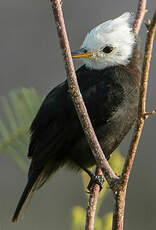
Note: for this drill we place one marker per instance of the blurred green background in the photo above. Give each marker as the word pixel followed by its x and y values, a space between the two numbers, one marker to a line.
pixel 30 57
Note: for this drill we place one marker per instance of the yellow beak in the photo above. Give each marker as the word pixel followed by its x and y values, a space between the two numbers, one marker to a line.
pixel 81 54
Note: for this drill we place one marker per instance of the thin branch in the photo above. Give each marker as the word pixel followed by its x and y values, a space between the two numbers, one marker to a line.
pixel 121 193
pixel 92 203
pixel 142 101
pixel 77 97
pixel 139 16
pixel 147 114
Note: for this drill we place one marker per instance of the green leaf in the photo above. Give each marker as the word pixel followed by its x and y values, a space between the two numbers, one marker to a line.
pixel 19 108
pixel 3 130
pixel 98 223
pixel 107 222
pixel 78 218
pixel 116 161
pixel 9 113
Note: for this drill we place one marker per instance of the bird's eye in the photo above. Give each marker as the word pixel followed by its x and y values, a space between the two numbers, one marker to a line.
pixel 107 49
pixel 84 50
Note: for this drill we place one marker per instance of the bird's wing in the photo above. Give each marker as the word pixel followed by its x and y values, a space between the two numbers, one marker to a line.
pixel 49 128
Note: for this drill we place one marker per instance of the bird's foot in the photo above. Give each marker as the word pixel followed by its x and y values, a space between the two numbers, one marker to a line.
pixel 96 180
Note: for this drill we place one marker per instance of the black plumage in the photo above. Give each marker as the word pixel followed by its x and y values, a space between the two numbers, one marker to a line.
pixel 57 138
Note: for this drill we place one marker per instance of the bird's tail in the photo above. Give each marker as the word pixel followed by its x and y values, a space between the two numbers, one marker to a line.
pixel 26 195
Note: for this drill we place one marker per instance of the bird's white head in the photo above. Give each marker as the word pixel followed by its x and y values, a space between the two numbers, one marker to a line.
pixel 110 43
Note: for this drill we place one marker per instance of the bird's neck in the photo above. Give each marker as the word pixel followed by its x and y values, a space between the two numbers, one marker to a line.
pixel 134 65
pixel 136 57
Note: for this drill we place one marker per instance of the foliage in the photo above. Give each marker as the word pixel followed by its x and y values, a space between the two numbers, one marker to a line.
pixel 19 108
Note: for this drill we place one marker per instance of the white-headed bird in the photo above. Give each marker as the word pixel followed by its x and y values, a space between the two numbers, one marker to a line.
pixel 109 83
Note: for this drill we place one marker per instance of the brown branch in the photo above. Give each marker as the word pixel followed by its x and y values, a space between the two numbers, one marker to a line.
pixel 147 114
pixel 82 114
pixel 139 16
pixel 142 101
pixel 77 97
pixel 121 193
pixel 92 203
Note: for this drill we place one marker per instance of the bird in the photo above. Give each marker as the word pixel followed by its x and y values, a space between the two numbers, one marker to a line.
pixel 109 81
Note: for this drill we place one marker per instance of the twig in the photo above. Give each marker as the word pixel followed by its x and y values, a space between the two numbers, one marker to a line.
pixel 142 104
pixel 77 98
pixel 147 114
pixel 121 193
pixel 92 203
pixel 139 16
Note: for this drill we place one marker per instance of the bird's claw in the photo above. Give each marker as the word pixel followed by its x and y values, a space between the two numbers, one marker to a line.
pixel 96 180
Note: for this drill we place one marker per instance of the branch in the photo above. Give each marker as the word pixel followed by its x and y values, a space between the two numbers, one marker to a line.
pixel 139 16
pixel 121 194
pixel 77 97
pixel 91 209
pixel 142 102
